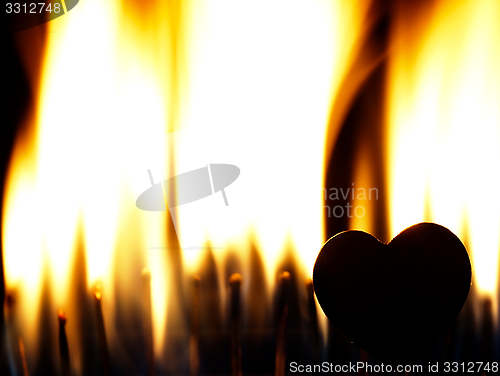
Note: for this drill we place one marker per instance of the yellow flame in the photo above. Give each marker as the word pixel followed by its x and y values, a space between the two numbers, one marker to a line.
pixel 260 96
pixel 365 194
pixel 262 77
pixel 101 120
pixel 444 126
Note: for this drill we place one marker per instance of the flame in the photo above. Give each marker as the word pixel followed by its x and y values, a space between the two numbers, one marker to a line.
pixel 250 84
pixel 260 99
pixel 174 86
pixel 101 116
pixel 364 194
pixel 444 127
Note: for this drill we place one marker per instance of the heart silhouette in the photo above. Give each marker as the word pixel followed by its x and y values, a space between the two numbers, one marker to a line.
pixel 393 300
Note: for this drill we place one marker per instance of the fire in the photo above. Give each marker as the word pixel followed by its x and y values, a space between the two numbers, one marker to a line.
pixel 444 127
pixel 166 88
pixel 236 83
pixel 249 103
pixel 362 206
pixel 101 113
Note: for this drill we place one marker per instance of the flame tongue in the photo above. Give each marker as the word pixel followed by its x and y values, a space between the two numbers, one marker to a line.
pixel 444 134
pixel 114 83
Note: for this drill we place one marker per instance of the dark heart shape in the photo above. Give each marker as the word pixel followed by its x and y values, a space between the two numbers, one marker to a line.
pixel 393 300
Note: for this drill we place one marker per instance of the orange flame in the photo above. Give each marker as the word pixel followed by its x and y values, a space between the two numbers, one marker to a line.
pixel 117 77
pixel 443 126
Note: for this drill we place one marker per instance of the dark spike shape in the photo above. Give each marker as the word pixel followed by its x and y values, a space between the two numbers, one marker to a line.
pixel 297 293
pixel 258 331
pixel 147 322
pixel 302 320
pixel 47 339
pixel 101 335
pixel 175 359
pixel 210 297
pixel 214 336
pixel 63 345
pixel 283 297
pixel 81 329
pixel 235 314
pixel 126 335
pixel 257 288
pixel 194 339
pixel 487 333
pixel 313 321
